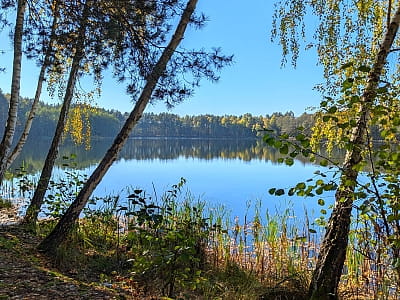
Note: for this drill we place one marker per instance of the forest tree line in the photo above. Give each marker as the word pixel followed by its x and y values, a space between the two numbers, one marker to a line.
pixel 106 123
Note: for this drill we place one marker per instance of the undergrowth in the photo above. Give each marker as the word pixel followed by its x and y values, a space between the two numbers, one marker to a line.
pixel 4 203
pixel 178 248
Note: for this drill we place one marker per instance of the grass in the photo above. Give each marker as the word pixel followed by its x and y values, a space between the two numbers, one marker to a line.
pixel 8 243
pixel 178 248
pixel 5 204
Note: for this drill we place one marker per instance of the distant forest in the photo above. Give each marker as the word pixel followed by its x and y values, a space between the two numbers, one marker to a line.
pixel 107 123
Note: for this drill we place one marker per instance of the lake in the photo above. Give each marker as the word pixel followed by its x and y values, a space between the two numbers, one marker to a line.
pixel 227 172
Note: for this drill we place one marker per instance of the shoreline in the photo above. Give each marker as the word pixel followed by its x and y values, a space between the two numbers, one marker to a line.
pixel 13 215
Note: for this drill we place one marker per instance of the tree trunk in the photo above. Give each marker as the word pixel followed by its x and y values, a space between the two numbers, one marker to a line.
pixel 326 276
pixel 28 124
pixel 5 146
pixel 38 197
pixel 64 226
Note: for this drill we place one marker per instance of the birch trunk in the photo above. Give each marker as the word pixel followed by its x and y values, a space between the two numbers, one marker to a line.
pixel 28 124
pixel 326 276
pixel 8 136
pixel 64 226
pixel 38 197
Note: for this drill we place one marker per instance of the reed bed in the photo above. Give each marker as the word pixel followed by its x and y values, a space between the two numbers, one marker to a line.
pixel 282 250
pixel 274 253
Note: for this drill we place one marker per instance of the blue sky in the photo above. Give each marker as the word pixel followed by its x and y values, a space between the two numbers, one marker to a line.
pixel 254 84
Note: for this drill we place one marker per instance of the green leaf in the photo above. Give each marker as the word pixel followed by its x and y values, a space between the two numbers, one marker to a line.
pixel 347 65
pixel 347 84
pixel 301 193
pixel 301 186
pixel 392 218
pixel 305 143
pixel 306 153
pixel 323 163
pixel 284 136
pixel 332 110
pixel 312 230
pixel 269 140
pixel 319 190
pixel 289 161
pixel 381 90
pixel 321 202
pixel 364 69
pixel 279 192
pixel 326 118
pixel 272 191
pixel 330 187
pixel 284 149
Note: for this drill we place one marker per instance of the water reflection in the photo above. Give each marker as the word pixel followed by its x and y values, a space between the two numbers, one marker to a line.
pixel 151 149
pixel 227 171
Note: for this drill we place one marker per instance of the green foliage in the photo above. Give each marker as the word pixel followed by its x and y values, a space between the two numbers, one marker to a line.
pixel 63 191
pixel 8 243
pixel 345 35
pixel 377 193
pixel 168 242
pixel 4 203
pixel 25 182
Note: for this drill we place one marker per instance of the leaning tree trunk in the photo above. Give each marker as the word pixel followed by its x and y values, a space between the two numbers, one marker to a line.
pixel 326 276
pixel 5 146
pixel 38 197
pixel 28 124
pixel 64 226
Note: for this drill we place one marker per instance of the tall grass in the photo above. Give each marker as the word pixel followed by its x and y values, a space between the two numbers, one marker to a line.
pixel 179 247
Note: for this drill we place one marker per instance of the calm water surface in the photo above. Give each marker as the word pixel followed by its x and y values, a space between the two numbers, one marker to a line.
pixel 228 172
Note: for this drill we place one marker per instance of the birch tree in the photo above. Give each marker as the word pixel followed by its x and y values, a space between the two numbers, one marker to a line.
pixel 352 39
pixel 47 61
pixel 8 136
pixel 37 43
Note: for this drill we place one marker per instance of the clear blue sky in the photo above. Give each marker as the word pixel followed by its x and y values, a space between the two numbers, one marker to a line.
pixel 254 84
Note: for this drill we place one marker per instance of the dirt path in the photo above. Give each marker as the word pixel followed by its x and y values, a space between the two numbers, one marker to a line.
pixel 26 274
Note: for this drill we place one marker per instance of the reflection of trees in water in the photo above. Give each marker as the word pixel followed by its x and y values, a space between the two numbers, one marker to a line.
pixel 166 149
pixel 35 151
pixel 151 149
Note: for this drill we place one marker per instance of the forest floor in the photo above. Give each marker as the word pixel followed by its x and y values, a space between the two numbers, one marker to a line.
pixel 27 274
